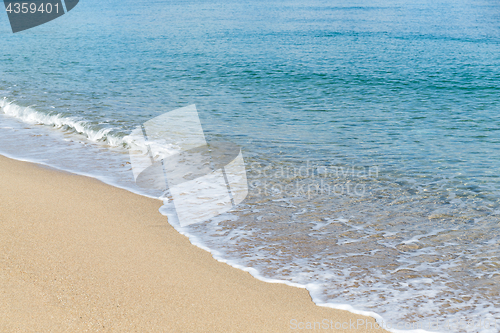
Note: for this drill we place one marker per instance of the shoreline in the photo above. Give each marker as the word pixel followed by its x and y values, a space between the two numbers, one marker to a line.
pixel 79 255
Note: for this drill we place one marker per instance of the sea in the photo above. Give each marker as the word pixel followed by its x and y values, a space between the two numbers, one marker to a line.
pixel 370 132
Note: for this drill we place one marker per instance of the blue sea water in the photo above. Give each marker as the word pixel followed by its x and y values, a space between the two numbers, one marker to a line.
pixel 370 131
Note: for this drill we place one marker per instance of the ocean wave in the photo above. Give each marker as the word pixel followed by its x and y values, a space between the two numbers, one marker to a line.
pixel 93 133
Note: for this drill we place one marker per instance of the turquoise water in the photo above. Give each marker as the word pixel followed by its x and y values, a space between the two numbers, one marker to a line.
pixel 389 107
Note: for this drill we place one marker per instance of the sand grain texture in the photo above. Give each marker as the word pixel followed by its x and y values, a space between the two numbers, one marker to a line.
pixel 77 255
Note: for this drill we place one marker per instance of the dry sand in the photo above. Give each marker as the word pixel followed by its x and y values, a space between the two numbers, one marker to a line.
pixel 77 255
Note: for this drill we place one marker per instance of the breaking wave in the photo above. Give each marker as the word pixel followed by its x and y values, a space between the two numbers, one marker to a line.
pixel 93 132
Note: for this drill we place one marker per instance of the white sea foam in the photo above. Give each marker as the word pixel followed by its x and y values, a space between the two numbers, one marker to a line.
pixel 93 133
pixel 30 115
pixel 315 289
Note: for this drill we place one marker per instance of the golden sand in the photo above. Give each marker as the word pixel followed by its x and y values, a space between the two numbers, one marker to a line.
pixel 77 255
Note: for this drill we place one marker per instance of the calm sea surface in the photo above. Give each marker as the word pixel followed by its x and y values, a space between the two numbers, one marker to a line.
pixel 370 130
